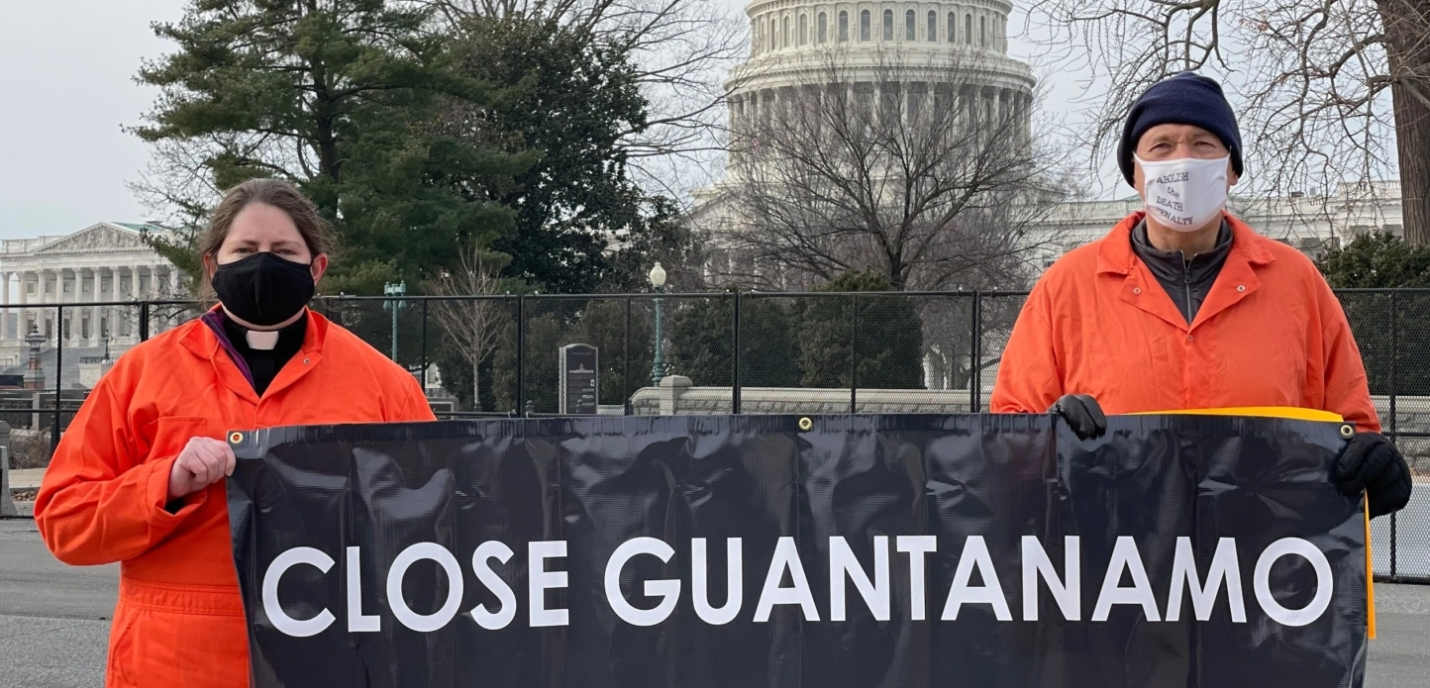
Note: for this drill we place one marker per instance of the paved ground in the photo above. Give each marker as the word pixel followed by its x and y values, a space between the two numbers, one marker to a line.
pixel 1400 654
pixel 54 620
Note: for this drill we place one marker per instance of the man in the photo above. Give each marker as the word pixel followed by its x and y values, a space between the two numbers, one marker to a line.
pixel 1185 307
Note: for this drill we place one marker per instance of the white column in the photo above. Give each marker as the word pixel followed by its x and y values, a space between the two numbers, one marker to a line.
pixel 136 295
pixel 5 313
pixel 38 315
pixel 69 313
pixel 76 313
pixel 51 298
pixel 20 330
pixel 48 294
pixel 94 311
pixel 101 312
pixel 114 312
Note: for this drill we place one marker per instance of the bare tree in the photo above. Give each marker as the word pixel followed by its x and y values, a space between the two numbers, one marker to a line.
pixel 1315 76
pixel 473 323
pixel 682 49
pixel 949 331
pixel 177 184
pixel 908 167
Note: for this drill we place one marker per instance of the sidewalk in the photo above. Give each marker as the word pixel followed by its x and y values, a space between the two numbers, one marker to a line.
pixel 26 478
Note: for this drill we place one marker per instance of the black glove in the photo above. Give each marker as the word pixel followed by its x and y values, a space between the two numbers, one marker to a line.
pixel 1371 464
pixel 1082 414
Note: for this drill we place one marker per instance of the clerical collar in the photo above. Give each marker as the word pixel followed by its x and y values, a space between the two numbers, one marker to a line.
pixel 261 340
pixel 290 337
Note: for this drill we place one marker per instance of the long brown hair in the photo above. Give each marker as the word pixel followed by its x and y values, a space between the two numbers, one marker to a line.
pixel 311 226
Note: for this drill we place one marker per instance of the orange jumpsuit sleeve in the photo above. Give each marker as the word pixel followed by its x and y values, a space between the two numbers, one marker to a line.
pixel 101 502
pixel 1347 390
pixel 1028 377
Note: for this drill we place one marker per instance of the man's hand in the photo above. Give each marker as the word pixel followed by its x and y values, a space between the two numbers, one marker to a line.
pixel 1082 414
pixel 202 463
pixel 1371 464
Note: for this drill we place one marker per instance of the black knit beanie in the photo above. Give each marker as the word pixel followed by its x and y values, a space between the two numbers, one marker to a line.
pixel 1186 98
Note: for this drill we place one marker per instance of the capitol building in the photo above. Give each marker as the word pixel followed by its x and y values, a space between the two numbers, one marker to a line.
pixel 49 286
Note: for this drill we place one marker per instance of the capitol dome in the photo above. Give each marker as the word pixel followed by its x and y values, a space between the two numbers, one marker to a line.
pixel 961 45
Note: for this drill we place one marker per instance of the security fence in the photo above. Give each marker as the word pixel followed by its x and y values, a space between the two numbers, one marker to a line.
pixel 910 352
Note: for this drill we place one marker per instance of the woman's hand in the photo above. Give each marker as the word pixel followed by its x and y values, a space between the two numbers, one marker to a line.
pixel 202 463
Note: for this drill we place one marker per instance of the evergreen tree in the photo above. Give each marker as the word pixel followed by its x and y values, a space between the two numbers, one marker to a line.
pixel 337 97
pixel 554 323
pixel 702 342
pixel 886 333
pixel 1388 327
pixel 573 97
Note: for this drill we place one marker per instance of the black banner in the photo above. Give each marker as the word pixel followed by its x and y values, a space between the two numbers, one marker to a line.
pixel 773 551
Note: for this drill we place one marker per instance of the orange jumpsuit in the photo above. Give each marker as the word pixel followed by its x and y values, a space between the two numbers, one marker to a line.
pixel 179 620
pixel 1270 333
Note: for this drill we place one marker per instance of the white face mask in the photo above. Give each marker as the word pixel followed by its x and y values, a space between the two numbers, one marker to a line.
pixel 1185 194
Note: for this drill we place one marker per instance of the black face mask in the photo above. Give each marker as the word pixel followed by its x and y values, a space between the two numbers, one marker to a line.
pixel 264 289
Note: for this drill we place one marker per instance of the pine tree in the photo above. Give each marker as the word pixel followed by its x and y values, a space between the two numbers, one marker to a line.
pixel 1388 326
pixel 338 97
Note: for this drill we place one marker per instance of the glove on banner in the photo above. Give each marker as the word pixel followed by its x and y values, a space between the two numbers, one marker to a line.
pixel 743 551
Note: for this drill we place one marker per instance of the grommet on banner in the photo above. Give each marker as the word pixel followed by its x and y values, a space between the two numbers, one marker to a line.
pixel 1348 431
pixel 235 438
pixel 805 424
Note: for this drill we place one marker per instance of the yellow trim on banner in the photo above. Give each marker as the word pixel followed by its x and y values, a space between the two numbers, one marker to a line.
pixel 1287 412
pixel 1369 579
pixel 1293 413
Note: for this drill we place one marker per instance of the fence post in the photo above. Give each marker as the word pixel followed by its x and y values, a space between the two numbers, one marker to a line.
pixel 1394 436
pixel 59 374
pixel 853 354
pixel 626 362
pixel 735 365
pixel 7 504
pixel 520 353
pixel 143 322
pixel 476 402
pixel 975 386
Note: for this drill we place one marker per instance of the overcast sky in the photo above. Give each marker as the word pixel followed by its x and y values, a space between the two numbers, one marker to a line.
pixel 67 87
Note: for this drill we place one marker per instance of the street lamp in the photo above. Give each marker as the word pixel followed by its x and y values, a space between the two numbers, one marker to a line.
pixel 657 280
pixel 393 306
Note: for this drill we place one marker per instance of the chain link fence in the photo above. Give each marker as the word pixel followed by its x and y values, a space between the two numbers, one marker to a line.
pixel 907 352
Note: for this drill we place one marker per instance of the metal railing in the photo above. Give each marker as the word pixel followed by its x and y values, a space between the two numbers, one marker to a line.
pixel 886 350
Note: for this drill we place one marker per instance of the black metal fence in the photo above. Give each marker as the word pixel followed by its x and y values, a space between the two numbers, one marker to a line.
pixel 740 352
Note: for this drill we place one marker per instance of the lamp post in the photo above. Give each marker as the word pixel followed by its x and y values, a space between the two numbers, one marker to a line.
pixel 657 281
pixel 395 305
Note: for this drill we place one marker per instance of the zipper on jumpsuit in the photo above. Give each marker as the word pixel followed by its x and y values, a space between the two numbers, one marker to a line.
pixel 1187 287
pixel 1187 313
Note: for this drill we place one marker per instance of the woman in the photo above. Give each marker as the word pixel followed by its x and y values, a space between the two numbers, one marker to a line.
pixel 138 477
